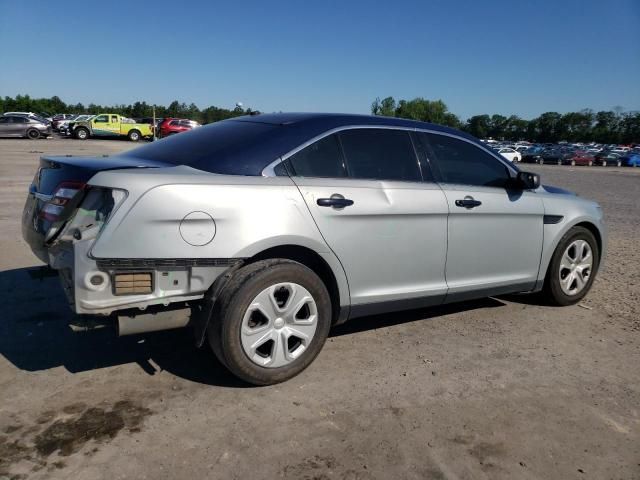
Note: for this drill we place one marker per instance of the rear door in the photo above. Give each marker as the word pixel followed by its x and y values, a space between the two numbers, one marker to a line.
pixel 387 227
pixel 494 232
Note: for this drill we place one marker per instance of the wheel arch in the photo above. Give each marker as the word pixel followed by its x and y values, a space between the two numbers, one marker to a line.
pixel 556 236
pixel 315 262
pixel 332 276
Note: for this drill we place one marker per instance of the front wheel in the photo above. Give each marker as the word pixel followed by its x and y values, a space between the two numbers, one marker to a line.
pixel 271 321
pixel 134 135
pixel 81 133
pixel 572 268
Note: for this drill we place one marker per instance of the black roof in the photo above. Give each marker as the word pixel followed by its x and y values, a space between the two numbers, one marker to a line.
pixel 246 145
pixel 326 121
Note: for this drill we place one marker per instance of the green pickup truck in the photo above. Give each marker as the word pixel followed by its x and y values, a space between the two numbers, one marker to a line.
pixel 112 125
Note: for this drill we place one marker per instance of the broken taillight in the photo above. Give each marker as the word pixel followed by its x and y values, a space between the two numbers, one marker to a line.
pixel 62 196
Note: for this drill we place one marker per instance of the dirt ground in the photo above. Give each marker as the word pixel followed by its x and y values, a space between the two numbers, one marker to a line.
pixel 493 389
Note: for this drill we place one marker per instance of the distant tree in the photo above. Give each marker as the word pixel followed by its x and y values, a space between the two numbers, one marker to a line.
pixel 479 126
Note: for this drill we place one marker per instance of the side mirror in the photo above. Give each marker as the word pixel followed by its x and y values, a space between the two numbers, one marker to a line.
pixel 528 180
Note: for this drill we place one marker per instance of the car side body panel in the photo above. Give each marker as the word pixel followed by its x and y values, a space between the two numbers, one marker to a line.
pixel 172 212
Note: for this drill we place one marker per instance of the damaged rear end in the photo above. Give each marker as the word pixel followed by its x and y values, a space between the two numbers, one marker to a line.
pixel 62 218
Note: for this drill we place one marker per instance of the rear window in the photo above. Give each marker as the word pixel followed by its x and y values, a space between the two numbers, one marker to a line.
pixel 227 147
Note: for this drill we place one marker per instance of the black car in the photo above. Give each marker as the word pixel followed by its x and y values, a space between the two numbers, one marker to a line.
pixel 555 156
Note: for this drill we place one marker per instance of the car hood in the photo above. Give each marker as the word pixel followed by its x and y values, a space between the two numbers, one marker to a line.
pixel 558 190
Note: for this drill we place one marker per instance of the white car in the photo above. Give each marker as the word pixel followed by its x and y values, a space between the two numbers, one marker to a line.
pixel 510 154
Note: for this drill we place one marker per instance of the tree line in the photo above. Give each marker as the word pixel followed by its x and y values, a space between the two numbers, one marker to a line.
pixel 614 126
pixel 53 105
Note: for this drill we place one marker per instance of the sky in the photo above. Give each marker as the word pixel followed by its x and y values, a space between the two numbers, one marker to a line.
pixel 491 56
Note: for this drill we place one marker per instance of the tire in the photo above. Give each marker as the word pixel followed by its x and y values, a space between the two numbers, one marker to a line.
pixel 238 311
pixel 81 133
pixel 33 134
pixel 540 161
pixel 619 163
pixel 590 163
pixel 554 291
pixel 573 163
pixel 559 162
pixel 604 163
pixel 134 135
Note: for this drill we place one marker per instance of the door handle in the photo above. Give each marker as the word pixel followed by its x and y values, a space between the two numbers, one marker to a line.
pixel 468 202
pixel 336 201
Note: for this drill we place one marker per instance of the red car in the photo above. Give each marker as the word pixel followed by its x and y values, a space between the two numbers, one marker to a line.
pixel 579 158
pixel 171 126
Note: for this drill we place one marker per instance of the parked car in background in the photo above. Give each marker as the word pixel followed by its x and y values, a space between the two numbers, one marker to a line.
pixel 67 127
pixel 112 125
pixel 23 126
pixel 555 156
pixel 620 150
pixel 510 154
pixel 532 155
pixel 607 157
pixel 171 126
pixel 60 118
pixel 578 157
pixel 630 159
pixel 252 229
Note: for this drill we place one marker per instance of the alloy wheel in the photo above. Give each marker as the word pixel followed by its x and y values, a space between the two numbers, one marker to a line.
pixel 575 267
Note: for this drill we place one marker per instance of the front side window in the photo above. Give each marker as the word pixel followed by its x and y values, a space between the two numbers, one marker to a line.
pixel 380 154
pixel 101 119
pixel 4 119
pixel 464 163
pixel 320 159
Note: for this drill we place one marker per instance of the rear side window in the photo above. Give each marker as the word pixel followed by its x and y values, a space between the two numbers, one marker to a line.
pixel 463 163
pixel 320 159
pixel 228 147
pixel 380 154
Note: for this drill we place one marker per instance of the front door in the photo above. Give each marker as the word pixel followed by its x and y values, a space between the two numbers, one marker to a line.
pixel 104 125
pixel 494 232
pixel 387 227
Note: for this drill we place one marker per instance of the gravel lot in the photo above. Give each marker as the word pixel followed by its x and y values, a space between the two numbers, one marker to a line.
pixel 498 388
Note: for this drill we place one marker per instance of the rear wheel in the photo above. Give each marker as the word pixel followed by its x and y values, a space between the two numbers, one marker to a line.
pixel 573 163
pixel 81 133
pixel 604 163
pixel 590 163
pixel 619 163
pixel 134 135
pixel 271 321
pixel 540 161
pixel 573 267
pixel 33 134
